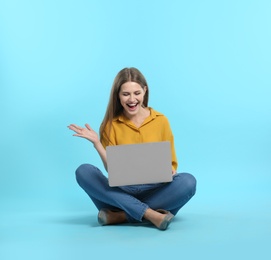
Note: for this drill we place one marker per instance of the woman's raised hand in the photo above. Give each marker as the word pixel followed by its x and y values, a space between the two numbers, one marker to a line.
pixel 85 132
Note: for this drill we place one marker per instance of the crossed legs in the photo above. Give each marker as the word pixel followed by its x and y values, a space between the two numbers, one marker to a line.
pixel 118 205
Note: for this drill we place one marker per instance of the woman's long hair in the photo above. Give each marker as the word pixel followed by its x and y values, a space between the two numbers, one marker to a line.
pixel 114 107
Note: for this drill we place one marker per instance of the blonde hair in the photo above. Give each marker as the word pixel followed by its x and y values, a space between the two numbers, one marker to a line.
pixel 114 107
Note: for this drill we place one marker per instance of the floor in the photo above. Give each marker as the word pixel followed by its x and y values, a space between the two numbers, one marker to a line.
pixel 217 228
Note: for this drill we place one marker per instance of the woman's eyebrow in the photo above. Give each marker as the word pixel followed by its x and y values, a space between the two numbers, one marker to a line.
pixel 125 91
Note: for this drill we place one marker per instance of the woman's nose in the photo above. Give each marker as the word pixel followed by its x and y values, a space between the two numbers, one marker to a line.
pixel 132 98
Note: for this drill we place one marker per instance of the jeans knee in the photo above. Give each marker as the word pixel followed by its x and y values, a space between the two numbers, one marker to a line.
pixel 190 183
pixel 82 172
pixel 88 174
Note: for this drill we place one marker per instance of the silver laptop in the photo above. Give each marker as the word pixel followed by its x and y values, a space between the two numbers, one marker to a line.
pixel 144 163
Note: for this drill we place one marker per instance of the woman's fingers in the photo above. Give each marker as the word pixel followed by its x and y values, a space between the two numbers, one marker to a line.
pixel 76 127
pixel 84 132
pixel 73 126
pixel 88 127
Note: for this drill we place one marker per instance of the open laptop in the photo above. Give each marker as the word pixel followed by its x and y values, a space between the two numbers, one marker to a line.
pixel 143 163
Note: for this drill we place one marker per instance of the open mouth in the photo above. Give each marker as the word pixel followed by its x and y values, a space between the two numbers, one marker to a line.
pixel 132 106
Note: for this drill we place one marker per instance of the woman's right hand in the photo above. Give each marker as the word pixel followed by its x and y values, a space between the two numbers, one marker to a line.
pixel 85 132
pixel 88 133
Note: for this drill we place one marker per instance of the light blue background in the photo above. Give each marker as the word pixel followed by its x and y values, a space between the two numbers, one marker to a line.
pixel 208 68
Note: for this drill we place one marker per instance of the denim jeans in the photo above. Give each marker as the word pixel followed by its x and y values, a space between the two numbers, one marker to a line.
pixel 136 199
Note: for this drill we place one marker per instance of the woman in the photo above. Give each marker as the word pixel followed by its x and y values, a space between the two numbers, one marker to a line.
pixel 127 120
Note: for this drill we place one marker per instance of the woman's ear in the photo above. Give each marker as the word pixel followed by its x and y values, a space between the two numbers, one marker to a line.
pixel 145 89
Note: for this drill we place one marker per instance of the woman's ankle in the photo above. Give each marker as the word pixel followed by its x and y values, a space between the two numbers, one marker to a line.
pixel 160 218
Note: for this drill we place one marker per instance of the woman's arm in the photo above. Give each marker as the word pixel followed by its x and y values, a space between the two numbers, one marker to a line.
pixel 168 136
pixel 89 134
pixel 101 151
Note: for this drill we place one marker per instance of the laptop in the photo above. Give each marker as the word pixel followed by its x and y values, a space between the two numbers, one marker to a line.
pixel 143 163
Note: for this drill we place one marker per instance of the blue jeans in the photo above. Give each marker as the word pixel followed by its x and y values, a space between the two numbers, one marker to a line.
pixel 136 199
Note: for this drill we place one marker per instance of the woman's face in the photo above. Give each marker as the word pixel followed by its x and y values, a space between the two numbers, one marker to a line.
pixel 131 97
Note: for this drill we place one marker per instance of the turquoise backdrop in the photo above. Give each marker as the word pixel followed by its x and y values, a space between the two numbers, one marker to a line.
pixel 207 64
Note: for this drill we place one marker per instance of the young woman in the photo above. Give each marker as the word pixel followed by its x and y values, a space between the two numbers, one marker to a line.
pixel 127 120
